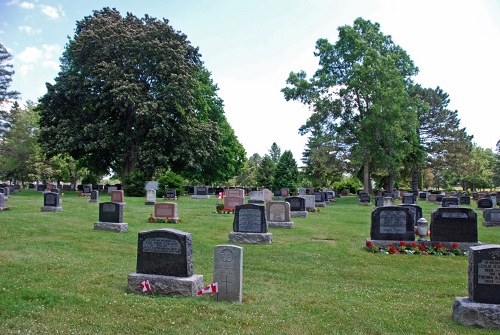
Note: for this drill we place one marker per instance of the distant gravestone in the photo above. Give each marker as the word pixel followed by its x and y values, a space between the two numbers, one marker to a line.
pixel 117 196
pixel 256 197
pixel 302 191
pixel 94 196
pixel 151 185
pixel 310 203
pixel 319 199
pixel 379 201
pixel 422 195
pixel 450 202
pixel 415 210
pixel 364 198
pixel 228 272
pixel 297 206
pixel 2 200
pixel 250 225
pixel 201 192
pixel 439 198
pixel 167 211
pixel 482 306
pixel 408 199
pixel 171 194
pixel 392 223
pixel 234 192
pixel 87 188
pixel 278 215
pixel 230 202
pixel 432 197
pixel 491 217
pixel 453 224
pixel 51 202
pixel 268 195
pixel 388 201
pixel 112 188
pixel 464 200
pixel 165 259
pixel 150 197
pixel 111 218
pixel 484 203
pixel 330 195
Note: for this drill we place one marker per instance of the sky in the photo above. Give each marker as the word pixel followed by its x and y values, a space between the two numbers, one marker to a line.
pixel 251 46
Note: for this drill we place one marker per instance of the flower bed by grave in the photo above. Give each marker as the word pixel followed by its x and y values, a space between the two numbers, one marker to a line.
pixel 4 208
pixel 413 248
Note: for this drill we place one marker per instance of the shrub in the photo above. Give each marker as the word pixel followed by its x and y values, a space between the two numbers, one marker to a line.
pixel 134 185
pixel 171 181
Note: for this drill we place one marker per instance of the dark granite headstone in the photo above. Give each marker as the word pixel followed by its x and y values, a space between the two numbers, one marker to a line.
pixel 297 204
pixel 439 197
pixel 330 195
pixel 484 274
pixel 319 197
pixel 166 252
pixel 51 199
pixel 415 210
pixel 475 196
pixel 40 188
pixel 201 190
pixel 94 196
pixel 110 212
pixel 87 188
pixel 379 201
pixel 364 198
pixel 484 203
pixel 277 193
pixel 408 199
pixel 464 200
pixel 449 201
pixel 170 194
pixel 492 215
pixel 250 218
pixel 453 224
pixel 422 195
pixel 392 223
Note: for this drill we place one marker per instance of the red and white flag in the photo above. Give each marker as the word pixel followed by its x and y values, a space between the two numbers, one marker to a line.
pixel 220 195
pixel 212 288
pixel 145 286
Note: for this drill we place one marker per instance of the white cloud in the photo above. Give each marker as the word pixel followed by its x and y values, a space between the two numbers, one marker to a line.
pixel 27 5
pixel 51 64
pixel 25 68
pixel 51 50
pixel 52 12
pixel 29 30
pixel 30 55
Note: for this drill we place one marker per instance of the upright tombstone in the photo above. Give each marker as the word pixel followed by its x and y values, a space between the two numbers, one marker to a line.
pixel 415 210
pixel 319 199
pixel 330 195
pixel 423 195
pixel 171 194
pixel 278 215
pixel 491 217
pixel 268 195
pixel 87 188
pixel 379 201
pixel 201 192
pixel 388 201
pixel 364 198
pixel 297 207
pixel 392 223
pixel 310 202
pixel 250 225
pixel 118 197
pixel 166 211
pixel 453 224
pixel 256 197
pixel 302 191
pixel 482 306
pixel 150 197
pixel 464 200
pixel 432 197
pixel 165 261
pixel 94 196
pixel 484 203
pixel 2 200
pixel 408 199
pixel 450 202
pixel 439 198
pixel 112 188
pixel 234 192
pixel 111 218
pixel 228 272
pixel 51 202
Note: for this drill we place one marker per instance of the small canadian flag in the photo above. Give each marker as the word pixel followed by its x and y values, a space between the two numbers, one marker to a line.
pixel 220 195
pixel 145 286
pixel 212 288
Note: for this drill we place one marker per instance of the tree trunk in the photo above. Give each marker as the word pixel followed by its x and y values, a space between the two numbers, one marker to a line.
pixel 414 179
pixel 366 176
pixel 390 182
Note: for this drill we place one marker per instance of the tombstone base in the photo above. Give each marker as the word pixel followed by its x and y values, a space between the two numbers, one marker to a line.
pixel 276 224
pixel 470 313
pixel 464 246
pixel 250 238
pixel 491 224
pixel 320 204
pixel 111 226
pixel 200 197
pixel 150 203
pixel 256 201
pixel 51 209
pixel 166 285
pixel 298 214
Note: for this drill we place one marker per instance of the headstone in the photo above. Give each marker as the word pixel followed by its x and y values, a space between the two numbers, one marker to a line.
pixel 482 306
pixel 40 188
pixel 491 217
pixel 285 192
pixel 396 194
pixel 256 197
pixel 408 199
pixel 302 191
pixel 453 224
pixel 297 207
pixel 230 202
pixel 201 192
pixel 117 196
pixel 450 202
pixel 423 195
pixel 379 201
pixel 278 215
pixel 250 225
pixel 150 197
pixel 111 218
pixel 388 201
pixel 167 211
pixel 268 195
pixel 310 203
pixel 2 200
pixel 439 197
pixel 364 198
pixel 112 188
pixel 171 194
pixel 330 195
pixel 165 259
pixel 51 202
pixel 475 196
pixel 94 196
pixel 228 272
pixel 152 185
pixel 234 192
pixel 392 223
pixel 493 199
pixel 464 200
pixel 319 199
pixel 415 210
pixel 484 203
pixel 87 188
pixel 432 197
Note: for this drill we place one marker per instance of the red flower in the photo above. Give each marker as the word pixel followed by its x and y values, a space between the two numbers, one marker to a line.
pixel 421 248
pixel 389 245
pixel 413 244
pixel 454 245
pixel 369 244
pixel 439 246
pixel 402 243
pixel 392 250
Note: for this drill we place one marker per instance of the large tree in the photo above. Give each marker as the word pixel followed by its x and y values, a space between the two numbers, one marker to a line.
pixel 126 98
pixel 286 174
pixel 264 175
pixel 6 73
pixel 360 94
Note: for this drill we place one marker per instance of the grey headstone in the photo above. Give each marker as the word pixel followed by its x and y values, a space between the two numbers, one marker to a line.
pixel 408 199
pixel 250 218
pixel 484 274
pixel 165 252
pixel 94 196
pixel 256 197
pixel 228 272
pixel 450 201
pixel 297 204
pixel 151 196
pixel 151 185
pixel 453 224
pixel 392 223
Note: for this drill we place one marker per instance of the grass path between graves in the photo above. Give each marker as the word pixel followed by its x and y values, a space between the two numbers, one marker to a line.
pixel 60 276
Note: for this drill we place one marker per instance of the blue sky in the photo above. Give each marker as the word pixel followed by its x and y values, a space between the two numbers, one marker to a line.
pixel 251 46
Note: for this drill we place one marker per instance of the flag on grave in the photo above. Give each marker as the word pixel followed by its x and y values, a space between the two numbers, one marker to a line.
pixel 145 286
pixel 212 288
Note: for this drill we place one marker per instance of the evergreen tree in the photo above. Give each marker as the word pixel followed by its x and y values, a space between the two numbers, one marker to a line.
pixel 287 173
pixel 265 172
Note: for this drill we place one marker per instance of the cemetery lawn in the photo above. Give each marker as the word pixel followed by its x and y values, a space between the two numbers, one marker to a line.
pixel 60 276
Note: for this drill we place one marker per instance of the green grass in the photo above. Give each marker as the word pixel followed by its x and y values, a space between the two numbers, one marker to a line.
pixel 59 276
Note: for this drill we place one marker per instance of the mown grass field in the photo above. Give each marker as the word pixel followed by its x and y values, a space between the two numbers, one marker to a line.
pixel 60 276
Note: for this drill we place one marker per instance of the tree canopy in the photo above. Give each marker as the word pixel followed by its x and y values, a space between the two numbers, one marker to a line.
pixel 133 93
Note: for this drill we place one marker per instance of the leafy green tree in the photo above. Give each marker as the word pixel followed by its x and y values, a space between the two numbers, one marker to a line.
pixel 265 172
pixel 247 177
pixel 126 98
pixel 496 166
pixel 478 169
pixel 360 94
pixel 275 153
pixel 6 72
pixel 287 173
pixel 171 181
